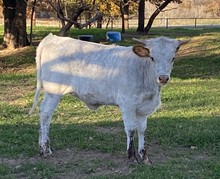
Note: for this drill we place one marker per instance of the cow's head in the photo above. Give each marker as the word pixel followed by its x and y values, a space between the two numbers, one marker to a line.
pixel 161 52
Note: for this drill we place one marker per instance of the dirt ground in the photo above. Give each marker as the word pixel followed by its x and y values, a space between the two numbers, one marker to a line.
pixel 86 163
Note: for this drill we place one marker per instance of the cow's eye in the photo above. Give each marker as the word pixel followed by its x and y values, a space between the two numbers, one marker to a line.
pixel 152 59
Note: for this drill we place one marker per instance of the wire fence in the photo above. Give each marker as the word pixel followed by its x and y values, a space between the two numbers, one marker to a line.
pixel 133 23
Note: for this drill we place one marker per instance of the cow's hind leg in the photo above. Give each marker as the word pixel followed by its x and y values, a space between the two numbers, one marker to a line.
pixel 141 127
pixel 47 108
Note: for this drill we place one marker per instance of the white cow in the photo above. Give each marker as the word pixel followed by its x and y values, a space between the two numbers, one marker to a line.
pixel 127 77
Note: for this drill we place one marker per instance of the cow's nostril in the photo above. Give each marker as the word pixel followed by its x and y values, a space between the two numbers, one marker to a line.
pixel 163 79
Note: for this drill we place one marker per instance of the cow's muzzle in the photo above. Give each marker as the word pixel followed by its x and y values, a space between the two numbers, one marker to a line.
pixel 163 79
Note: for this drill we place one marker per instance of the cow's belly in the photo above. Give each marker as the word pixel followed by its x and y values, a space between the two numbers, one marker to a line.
pixel 149 106
pixel 95 98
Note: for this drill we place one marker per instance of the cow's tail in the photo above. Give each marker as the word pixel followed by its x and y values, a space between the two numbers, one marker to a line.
pixel 39 80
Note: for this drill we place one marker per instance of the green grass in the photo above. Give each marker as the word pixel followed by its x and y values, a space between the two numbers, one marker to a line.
pixel 183 136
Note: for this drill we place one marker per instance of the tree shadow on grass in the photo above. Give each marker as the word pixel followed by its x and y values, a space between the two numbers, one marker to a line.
pixel 21 138
pixel 99 148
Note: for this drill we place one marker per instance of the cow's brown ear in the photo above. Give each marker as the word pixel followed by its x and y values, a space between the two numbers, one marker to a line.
pixel 141 51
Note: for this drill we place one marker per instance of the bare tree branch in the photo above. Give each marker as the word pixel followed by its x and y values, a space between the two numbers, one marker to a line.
pixel 169 9
pixel 73 19
pixel 51 4
pixel 60 13
pixel 92 20
pixel 154 15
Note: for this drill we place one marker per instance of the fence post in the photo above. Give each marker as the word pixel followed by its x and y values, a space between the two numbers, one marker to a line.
pixel 166 22
pixel 195 23
pixel 112 23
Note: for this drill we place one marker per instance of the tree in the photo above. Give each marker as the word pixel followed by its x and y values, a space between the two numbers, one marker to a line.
pixel 161 4
pixel 98 8
pixel 124 8
pixel 127 8
pixel 76 8
pixel 32 18
pixel 15 34
pixel 213 7
pixel 141 16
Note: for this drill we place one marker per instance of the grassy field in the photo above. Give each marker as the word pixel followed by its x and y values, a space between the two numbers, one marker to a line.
pixel 183 137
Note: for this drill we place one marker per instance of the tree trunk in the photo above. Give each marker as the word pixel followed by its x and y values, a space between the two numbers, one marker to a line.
pixel 126 14
pixel 65 28
pixel 99 22
pixel 141 16
pixel 154 15
pixel 122 18
pixel 68 25
pixel 124 8
pixel 15 34
pixel 32 20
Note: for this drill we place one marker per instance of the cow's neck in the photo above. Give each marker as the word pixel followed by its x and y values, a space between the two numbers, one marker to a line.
pixel 150 84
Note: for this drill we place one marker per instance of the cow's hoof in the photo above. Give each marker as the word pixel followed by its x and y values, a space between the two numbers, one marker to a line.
pixel 147 161
pixel 46 153
pixel 132 159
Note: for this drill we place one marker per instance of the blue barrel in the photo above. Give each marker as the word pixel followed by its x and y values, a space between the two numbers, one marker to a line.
pixel 86 37
pixel 113 36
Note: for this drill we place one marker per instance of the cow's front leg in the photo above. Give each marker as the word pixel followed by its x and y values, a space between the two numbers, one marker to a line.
pixel 47 108
pixel 130 124
pixel 141 127
pixel 130 148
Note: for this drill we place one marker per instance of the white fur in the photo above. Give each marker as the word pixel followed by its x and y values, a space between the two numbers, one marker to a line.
pixel 101 75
